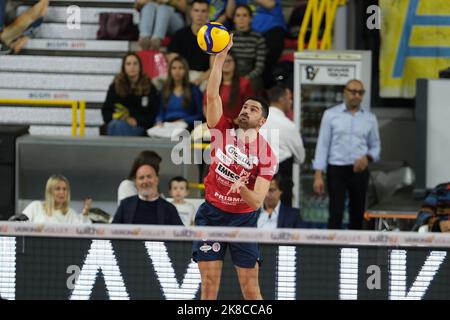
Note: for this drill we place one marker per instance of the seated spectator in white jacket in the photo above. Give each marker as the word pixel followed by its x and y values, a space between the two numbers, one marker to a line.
pixel 55 208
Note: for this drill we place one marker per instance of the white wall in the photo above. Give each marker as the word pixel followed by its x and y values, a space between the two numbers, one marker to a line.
pixel 438 133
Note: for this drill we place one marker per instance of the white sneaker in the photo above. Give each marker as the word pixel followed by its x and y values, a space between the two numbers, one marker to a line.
pixel 4 49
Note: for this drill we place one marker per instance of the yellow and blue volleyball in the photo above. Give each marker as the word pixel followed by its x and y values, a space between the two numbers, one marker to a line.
pixel 213 37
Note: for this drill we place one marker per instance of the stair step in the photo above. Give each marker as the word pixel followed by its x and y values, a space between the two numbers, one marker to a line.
pixel 61 131
pixel 50 64
pixel 10 80
pixel 47 116
pixel 78 45
pixel 97 97
pixel 60 31
pixel 87 14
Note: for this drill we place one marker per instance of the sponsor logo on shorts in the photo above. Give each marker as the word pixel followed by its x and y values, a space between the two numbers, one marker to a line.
pixel 238 156
pixel 226 173
pixel 216 247
pixel 222 157
pixel 205 248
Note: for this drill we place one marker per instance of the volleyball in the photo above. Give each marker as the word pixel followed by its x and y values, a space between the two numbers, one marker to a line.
pixel 213 37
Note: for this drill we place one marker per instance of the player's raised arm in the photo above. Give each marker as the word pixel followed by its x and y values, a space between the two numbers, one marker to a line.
pixel 213 101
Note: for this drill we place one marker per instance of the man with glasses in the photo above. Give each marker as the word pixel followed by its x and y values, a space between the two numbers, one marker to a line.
pixel 348 141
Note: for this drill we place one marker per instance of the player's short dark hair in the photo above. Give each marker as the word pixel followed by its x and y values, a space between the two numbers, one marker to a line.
pixel 276 93
pixel 178 179
pixel 263 103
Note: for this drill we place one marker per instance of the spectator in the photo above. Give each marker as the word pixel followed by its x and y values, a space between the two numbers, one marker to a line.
pixel 275 214
pixel 348 141
pixel 127 188
pixel 233 89
pixel 15 36
pixel 2 14
pixel 249 47
pixel 179 190
pixel 132 101
pixel 55 208
pixel 147 207
pixel 434 213
pixel 284 137
pixel 157 19
pixel 180 100
pixel 184 43
pixel 218 11
pixel 269 21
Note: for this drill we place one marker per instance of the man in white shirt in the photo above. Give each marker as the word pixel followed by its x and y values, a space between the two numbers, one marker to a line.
pixel 284 137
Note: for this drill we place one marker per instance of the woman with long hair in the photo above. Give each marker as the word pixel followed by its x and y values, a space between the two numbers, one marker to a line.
pixel 56 207
pixel 233 90
pixel 132 101
pixel 181 101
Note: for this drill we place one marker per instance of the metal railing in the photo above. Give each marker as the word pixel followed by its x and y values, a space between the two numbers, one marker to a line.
pixel 315 12
pixel 75 105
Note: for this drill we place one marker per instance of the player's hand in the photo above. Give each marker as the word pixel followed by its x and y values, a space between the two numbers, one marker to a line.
pixel 318 186
pixel 237 185
pixel 132 121
pixel 360 164
pixel 197 81
pixel 87 206
pixel 224 52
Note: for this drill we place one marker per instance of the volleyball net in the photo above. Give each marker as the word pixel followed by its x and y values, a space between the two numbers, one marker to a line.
pixel 155 262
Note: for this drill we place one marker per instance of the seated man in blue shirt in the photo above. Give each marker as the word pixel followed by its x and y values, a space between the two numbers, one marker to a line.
pixel 275 214
pixel 348 141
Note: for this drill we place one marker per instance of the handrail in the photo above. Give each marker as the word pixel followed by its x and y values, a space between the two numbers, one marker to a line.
pixel 316 9
pixel 194 185
pixel 82 105
pixel 72 103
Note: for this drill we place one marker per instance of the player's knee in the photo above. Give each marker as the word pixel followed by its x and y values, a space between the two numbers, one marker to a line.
pixel 250 288
pixel 210 287
pixel 251 292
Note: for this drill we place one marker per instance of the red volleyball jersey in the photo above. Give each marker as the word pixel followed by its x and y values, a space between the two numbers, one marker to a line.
pixel 232 159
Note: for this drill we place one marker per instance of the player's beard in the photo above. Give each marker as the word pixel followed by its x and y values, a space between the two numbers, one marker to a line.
pixel 244 122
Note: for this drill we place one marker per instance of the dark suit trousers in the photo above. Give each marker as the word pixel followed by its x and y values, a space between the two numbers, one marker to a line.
pixel 285 171
pixel 340 180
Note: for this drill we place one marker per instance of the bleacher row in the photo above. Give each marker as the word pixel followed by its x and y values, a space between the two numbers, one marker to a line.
pixel 64 63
